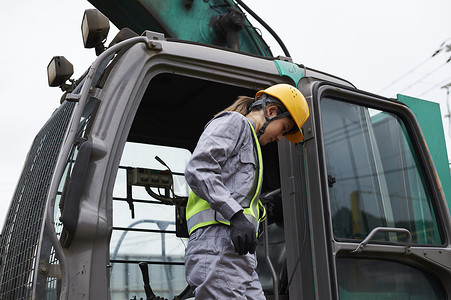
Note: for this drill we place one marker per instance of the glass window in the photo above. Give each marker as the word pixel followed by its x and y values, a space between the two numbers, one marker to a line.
pixel 374 175
pixel 374 279
pixel 150 235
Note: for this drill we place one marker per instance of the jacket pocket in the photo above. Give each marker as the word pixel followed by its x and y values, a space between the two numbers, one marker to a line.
pixel 246 173
pixel 247 157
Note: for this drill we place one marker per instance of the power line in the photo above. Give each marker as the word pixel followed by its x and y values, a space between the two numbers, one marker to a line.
pixel 404 75
pixel 425 76
pixel 443 46
pixel 435 86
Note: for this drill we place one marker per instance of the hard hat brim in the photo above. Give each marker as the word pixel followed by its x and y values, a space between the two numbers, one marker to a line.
pixel 295 137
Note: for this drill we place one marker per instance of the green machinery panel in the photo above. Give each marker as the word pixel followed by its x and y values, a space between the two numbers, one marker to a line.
pixel 430 119
pixel 190 20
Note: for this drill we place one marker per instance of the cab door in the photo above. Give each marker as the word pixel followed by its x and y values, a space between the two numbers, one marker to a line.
pixel 370 220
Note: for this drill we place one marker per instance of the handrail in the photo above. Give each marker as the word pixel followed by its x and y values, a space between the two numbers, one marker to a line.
pixel 266 241
pixel 70 136
pixel 275 279
pixel 373 232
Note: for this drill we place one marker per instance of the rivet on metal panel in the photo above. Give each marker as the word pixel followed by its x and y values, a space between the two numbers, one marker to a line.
pixel 43 270
pixel 154 45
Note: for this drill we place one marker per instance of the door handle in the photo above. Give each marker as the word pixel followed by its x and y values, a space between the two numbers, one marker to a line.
pixel 373 232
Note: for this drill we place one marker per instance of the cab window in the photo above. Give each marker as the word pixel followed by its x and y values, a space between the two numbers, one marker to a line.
pixel 144 228
pixel 374 279
pixel 374 176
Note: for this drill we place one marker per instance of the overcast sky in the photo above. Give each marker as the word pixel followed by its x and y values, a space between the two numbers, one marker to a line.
pixel 381 46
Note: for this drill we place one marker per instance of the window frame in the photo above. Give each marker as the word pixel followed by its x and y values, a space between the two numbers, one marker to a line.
pixel 310 185
pixel 367 161
pixel 139 96
pixel 427 168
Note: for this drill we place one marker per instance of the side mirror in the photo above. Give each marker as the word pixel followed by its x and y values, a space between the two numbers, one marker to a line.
pixel 59 70
pixel 94 28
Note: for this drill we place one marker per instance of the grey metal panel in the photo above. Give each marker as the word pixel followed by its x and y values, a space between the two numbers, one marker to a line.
pixel 296 220
pixel 304 212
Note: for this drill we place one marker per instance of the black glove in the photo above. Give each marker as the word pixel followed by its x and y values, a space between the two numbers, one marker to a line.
pixel 243 234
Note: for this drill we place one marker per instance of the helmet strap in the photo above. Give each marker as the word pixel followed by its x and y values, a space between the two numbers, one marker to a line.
pixel 262 102
pixel 269 120
pixel 262 130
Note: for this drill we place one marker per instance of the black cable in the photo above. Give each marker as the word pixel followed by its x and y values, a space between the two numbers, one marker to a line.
pixel 405 74
pixel 425 76
pixel 435 86
pixel 440 49
pixel 263 23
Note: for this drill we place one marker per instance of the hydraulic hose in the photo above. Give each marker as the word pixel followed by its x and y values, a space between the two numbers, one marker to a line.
pixel 260 20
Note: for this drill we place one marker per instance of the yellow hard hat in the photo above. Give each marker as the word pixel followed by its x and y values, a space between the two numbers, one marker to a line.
pixel 294 102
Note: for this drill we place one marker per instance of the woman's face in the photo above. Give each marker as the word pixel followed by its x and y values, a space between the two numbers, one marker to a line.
pixel 276 130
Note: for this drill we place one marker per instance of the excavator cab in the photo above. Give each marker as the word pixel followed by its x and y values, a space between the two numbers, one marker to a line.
pixel 356 210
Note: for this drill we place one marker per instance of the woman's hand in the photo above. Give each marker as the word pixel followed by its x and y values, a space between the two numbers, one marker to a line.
pixel 243 234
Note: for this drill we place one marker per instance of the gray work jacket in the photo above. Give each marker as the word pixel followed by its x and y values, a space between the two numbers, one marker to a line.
pixel 223 165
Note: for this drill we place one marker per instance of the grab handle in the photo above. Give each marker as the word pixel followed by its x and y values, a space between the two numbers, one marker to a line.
pixel 373 232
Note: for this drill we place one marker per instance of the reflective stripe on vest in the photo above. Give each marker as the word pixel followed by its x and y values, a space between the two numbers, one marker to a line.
pixel 200 214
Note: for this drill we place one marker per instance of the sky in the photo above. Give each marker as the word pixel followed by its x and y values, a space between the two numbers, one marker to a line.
pixel 381 46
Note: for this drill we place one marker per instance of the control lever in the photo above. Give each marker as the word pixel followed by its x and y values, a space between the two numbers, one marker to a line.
pixel 131 206
pixel 149 293
pixel 162 162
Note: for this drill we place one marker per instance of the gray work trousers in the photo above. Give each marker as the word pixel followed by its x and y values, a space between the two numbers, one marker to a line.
pixel 216 271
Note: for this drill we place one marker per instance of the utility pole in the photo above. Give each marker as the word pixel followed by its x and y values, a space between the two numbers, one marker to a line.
pixel 447 87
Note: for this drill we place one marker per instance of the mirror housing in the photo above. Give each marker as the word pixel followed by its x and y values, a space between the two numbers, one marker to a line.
pixel 59 70
pixel 94 28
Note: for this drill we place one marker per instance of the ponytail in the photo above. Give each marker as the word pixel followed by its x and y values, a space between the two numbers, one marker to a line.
pixel 241 105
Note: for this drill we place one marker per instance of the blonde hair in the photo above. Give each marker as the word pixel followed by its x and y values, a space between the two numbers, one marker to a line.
pixel 240 105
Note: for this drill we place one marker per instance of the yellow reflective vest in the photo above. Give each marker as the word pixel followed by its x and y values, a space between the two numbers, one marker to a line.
pixel 200 214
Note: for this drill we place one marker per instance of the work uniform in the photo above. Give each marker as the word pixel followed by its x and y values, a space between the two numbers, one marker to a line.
pixel 222 171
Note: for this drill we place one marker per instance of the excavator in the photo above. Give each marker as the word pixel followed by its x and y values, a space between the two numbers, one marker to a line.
pixel 358 210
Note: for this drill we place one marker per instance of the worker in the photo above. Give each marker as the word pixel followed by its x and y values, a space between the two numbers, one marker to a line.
pixel 225 176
